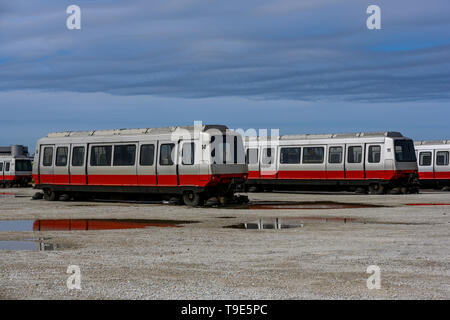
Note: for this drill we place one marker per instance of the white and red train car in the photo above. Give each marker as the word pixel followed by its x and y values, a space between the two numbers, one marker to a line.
pixel 15 166
pixel 192 163
pixel 433 161
pixel 377 162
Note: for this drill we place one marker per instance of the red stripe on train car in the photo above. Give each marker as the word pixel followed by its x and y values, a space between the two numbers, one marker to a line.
pixel 442 175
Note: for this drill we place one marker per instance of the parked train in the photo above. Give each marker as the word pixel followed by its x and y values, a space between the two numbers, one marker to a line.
pixel 15 166
pixel 433 163
pixel 190 163
pixel 374 162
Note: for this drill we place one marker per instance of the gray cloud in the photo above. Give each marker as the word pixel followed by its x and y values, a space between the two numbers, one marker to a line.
pixel 288 49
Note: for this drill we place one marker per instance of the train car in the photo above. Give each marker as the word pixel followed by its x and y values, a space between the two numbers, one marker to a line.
pixel 433 163
pixel 15 166
pixel 377 162
pixel 189 163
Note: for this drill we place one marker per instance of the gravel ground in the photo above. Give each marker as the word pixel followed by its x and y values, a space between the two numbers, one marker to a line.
pixel 324 259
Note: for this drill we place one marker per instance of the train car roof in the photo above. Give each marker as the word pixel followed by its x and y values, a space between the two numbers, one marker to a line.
pixel 133 132
pixel 431 142
pixel 391 134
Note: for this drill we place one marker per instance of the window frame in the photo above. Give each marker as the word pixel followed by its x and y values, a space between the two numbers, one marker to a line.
pixel 44 163
pixel 83 159
pixel 420 159
pixel 116 146
pixel 172 162
pixel 67 156
pixel 341 154
pixel 192 143
pixel 369 153
pixel 299 156
pixel 351 153
pixel 141 153
pixel 447 159
pixel 92 154
pixel 314 162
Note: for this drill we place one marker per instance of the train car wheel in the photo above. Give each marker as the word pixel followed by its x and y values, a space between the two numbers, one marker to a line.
pixel 191 199
pixel 50 195
pixel 376 189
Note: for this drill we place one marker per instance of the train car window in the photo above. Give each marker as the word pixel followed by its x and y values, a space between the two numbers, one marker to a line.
pixel 268 155
pixel 313 154
pixel 290 155
pixel 252 156
pixel 147 155
pixel 101 156
pixel 374 154
pixel 442 158
pixel 166 154
pixel 1 166
pixel 404 151
pixel 7 167
pixel 48 157
pixel 23 165
pixel 61 156
pixel 187 153
pixel 124 155
pixel 354 154
pixel 425 159
pixel 335 155
pixel 78 156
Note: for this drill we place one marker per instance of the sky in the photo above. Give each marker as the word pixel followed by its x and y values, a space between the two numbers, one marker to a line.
pixel 300 66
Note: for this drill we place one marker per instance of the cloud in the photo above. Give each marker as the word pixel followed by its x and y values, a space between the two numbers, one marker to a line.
pixel 300 50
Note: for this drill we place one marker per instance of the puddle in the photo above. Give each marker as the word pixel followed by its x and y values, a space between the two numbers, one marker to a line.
pixel 85 224
pixel 263 224
pixel 6 194
pixel 305 205
pixel 28 245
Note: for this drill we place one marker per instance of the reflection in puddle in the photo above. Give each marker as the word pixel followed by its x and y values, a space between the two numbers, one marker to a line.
pixel 263 224
pixel 28 245
pixel 85 224
pixel 266 205
pixel 6 194
pixel 286 223
pixel 102 224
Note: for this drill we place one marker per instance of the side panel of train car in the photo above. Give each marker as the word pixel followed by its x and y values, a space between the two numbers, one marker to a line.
pixel 140 161
pixel 434 165
pixel 378 162
pixel 14 171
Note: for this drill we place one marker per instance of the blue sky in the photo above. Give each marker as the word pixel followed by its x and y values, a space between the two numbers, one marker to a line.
pixel 308 66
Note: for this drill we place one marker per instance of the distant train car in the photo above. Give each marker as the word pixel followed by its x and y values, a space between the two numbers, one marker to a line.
pixel 15 166
pixel 193 163
pixel 374 162
pixel 433 162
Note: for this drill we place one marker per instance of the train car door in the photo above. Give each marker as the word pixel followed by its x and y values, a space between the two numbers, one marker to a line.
pixel 189 166
pixel 77 165
pixel 46 164
pixel 442 164
pixel 289 162
pixel 426 164
pixel 374 167
pixel 61 168
pixel 167 166
pixel 335 162
pixel 124 169
pixel 354 162
pixel 268 163
pixel 2 175
pixel 146 166
pixel 313 165
pixel 252 159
